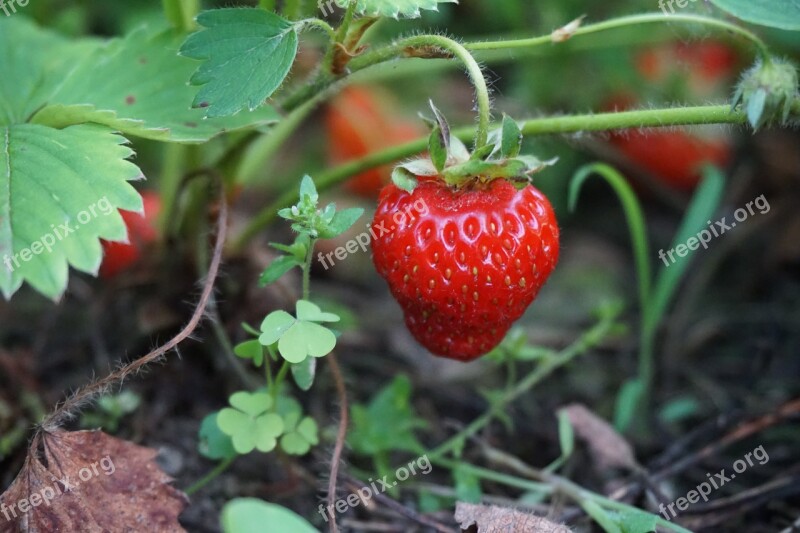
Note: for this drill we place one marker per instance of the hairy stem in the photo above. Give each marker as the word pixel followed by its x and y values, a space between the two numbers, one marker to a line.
pixel 648 118
pixel 646 18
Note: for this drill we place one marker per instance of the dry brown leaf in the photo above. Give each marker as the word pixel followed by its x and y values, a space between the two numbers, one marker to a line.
pixel 90 482
pixel 608 448
pixel 493 519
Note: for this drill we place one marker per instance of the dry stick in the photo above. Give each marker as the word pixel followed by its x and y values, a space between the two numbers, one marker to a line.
pixel 400 508
pixel 340 436
pixel 83 396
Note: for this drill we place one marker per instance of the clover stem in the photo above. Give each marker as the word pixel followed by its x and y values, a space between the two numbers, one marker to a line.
pixel 279 379
pixel 205 480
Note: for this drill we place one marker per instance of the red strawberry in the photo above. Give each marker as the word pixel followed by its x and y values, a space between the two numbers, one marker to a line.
pixel 119 256
pixel 464 263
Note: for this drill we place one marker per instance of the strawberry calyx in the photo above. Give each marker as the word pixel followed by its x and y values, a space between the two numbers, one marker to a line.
pixel 450 161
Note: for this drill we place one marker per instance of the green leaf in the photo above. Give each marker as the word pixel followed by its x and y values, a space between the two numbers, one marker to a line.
pixel 213 443
pixel 308 191
pixel 783 14
pixel 249 424
pixel 398 8
pixel 252 350
pixel 387 423
pixel 437 149
pixel 137 85
pixel 404 179
pixel 704 204
pixel 468 485
pixel 274 326
pixel 246 55
pixel 54 180
pixel 277 269
pixel 601 516
pixel 566 434
pixel 637 522
pixel 34 62
pixel 311 312
pixel 304 372
pixel 304 339
pixel 250 515
pixel 755 108
pixel 627 404
pixel 299 438
pixel 511 140
pixel 342 221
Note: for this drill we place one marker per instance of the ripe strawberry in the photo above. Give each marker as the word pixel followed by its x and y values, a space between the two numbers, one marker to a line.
pixel 119 256
pixel 360 121
pixel 468 268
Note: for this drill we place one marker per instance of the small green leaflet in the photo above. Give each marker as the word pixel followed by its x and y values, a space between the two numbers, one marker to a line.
pixel 249 424
pixel 398 8
pixel 50 182
pixel 299 337
pixel 246 55
pixel 783 14
pixel 212 442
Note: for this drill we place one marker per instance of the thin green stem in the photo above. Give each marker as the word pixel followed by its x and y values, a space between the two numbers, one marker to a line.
pixel 316 23
pixel 409 47
pixel 646 18
pixel 344 26
pixel 205 480
pixel 280 377
pixel 307 269
pixel 181 13
pixel 648 118
pixel 549 365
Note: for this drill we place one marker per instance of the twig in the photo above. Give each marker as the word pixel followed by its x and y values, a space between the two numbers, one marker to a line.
pixel 68 408
pixel 340 437
pixel 401 509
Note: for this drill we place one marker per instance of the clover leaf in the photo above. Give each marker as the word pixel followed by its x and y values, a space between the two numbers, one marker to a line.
pixel 299 337
pixel 252 350
pixel 249 423
pixel 300 434
pixel 213 443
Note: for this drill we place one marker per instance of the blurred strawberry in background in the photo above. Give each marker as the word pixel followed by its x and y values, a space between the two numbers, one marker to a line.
pixel 362 120
pixel 142 231
pixel 692 72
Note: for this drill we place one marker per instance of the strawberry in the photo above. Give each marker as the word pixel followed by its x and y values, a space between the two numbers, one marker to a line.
pixel 360 121
pixel 468 268
pixel 119 256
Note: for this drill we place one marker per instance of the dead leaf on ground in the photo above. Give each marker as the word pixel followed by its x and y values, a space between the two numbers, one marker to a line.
pixel 608 448
pixel 493 519
pixel 90 482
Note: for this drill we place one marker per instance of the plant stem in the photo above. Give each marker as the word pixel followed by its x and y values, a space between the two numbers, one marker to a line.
pixel 181 13
pixel 205 480
pixel 646 18
pixel 647 118
pixel 307 269
pixel 546 367
pixel 317 23
pixel 408 48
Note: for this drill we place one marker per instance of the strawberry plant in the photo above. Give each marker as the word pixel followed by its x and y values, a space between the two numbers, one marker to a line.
pixel 244 119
